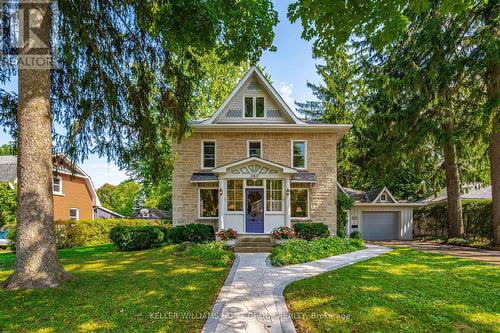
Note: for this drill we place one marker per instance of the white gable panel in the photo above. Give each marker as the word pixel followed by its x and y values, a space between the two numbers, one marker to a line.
pixel 254 84
pixel 234 110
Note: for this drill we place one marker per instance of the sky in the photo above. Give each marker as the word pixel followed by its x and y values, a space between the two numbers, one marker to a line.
pixel 290 68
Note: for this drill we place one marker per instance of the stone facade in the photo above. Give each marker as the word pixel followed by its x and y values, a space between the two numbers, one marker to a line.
pixel 232 146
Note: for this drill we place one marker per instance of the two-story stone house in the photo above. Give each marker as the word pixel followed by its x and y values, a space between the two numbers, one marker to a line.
pixel 254 165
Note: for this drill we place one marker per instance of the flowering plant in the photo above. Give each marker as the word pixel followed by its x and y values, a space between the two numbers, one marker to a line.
pixel 282 233
pixel 226 234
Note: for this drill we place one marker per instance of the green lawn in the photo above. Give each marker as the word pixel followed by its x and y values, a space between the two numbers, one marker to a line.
pixel 115 291
pixel 404 290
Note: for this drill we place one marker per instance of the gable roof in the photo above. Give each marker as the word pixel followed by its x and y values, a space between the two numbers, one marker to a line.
pixel 284 168
pixel 267 86
pixel 8 172
pixel 371 197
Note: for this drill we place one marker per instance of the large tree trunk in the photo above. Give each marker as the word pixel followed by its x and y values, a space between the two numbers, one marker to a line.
pixel 493 87
pixel 37 264
pixel 455 221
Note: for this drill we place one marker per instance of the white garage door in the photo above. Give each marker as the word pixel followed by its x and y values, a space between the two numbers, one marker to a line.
pixel 379 225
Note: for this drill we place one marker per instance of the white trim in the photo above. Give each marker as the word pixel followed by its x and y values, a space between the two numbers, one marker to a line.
pixel 389 204
pixel 199 204
pixel 308 217
pixel 270 89
pixel 202 153
pixel 254 106
pixel 339 129
pixel 388 192
pixel 77 214
pixel 305 154
pixel 60 192
pixel 261 147
pixel 223 168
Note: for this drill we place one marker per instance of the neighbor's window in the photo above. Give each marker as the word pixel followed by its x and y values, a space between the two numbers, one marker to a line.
pixel 299 154
pixel 74 214
pixel 299 199
pixel 274 195
pixel 249 107
pixel 209 202
pixel 208 158
pixel 255 149
pixel 234 195
pixel 57 185
pixel 254 107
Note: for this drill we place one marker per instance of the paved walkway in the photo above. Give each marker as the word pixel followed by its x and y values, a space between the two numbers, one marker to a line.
pixel 490 256
pixel 252 298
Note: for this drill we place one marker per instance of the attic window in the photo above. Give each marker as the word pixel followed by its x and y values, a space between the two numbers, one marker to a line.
pixel 383 198
pixel 254 107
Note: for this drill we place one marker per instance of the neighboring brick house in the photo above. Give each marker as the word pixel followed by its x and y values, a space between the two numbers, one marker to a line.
pixel 74 194
pixel 254 165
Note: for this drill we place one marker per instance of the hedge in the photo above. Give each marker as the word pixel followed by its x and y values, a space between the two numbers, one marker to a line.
pixel 433 220
pixel 130 238
pixel 86 232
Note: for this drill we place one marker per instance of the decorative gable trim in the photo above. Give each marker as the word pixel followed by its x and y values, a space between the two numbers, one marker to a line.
pixel 268 87
pixel 261 166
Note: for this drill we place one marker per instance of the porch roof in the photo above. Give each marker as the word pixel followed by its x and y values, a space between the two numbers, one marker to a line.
pixel 304 177
pixel 284 168
pixel 200 177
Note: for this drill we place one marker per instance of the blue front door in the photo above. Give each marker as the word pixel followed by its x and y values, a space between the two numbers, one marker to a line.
pixel 254 215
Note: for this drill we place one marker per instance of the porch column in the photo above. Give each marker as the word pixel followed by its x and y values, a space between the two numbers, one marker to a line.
pixel 288 204
pixel 222 196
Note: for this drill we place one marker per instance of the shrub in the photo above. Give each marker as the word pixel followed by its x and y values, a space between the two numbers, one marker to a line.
pixel 356 235
pixel 298 251
pixel 213 253
pixel 282 233
pixel 344 203
pixel 128 238
pixel 458 241
pixel 196 233
pixel 226 234
pixel 310 231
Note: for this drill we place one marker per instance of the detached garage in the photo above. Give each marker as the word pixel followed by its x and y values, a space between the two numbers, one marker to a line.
pixel 378 216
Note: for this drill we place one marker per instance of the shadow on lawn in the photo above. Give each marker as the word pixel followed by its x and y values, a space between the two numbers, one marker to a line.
pixel 402 290
pixel 116 290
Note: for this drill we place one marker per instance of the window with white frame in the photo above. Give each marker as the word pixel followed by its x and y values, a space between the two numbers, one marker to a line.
pixel 234 195
pixel 299 201
pixel 255 149
pixel 208 154
pixel 254 107
pixel 209 203
pixel 274 195
pixel 383 198
pixel 299 154
pixel 57 185
pixel 74 214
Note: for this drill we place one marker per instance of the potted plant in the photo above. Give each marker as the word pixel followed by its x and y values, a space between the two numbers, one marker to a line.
pixel 227 236
pixel 280 235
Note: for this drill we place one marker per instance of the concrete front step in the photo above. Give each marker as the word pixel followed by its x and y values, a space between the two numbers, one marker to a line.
pixel 253 249
pixel 253 244
pixel 254 239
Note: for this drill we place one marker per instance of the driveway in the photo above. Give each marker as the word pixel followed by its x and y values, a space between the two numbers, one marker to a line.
pixel 252 298
pixel 490 256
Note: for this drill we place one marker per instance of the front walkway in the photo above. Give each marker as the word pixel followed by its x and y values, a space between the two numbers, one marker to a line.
pixel 252 297
pixel 490 256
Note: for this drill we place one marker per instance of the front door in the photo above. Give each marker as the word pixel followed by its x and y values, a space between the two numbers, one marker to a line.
pixel 254 215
